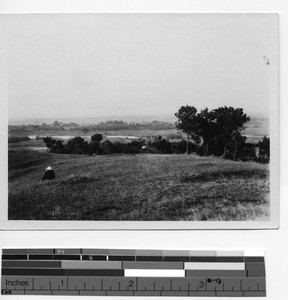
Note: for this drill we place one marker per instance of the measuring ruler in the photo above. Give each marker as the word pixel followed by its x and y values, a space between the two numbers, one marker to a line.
pixel 125 272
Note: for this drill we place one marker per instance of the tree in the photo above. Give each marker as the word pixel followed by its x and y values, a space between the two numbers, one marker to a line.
pixel 264 150
pixel 58 147
pixel 246 151
pixel 206 128
pixel 187 122
pixel 237 141
pixel 54 146
pixel 96 138
pixel 94 146
pixel 56 124
pixel 107 147
pixel 49 141
pixel 230 122
pixel 77 145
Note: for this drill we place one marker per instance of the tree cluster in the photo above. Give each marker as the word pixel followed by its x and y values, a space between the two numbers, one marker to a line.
pixel 96 146
pixel 75 145
pixel 217 132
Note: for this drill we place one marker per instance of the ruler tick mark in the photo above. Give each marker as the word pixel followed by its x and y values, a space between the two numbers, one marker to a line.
pixel 214 286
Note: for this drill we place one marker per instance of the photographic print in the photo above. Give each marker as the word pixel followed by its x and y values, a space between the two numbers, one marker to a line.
pixel 128 121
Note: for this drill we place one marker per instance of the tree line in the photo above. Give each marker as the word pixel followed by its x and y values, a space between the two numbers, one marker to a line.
pixel 159 145
pixel 218 131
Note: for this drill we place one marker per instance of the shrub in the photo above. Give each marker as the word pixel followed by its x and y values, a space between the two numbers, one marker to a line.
pixel 264 150
pixel 77 145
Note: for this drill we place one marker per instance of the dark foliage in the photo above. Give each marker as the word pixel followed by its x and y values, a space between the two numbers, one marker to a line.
pixel 218 131
pixel 264 150
pixel 181 146
pixel 187 122
pixel 161 145
pixel 77 145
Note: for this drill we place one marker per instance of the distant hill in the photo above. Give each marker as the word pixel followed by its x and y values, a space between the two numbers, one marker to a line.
pixel 93 120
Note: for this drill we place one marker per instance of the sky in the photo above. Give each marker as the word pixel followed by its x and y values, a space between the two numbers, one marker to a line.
pixel 65 66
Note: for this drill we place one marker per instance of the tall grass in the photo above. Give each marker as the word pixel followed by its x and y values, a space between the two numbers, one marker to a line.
pixel 136 187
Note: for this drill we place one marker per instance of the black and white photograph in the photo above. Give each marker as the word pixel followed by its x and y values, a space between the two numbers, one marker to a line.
pixel 142 120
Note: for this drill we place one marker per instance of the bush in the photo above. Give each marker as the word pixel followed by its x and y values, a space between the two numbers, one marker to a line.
pixel 58 147
pixel 247 152
pixel 264 150
pixel 162 145
pixel 107 147
pixel 77 145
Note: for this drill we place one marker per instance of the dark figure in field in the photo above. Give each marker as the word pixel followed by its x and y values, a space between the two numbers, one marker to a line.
pixel 49 174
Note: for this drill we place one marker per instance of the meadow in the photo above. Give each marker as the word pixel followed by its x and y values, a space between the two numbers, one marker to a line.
pixel 144 187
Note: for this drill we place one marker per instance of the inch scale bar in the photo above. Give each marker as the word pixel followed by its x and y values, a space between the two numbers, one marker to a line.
pixel 132 273
pixel 130 286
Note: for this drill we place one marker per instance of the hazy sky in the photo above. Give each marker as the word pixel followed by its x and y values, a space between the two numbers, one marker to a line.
pixel 85 65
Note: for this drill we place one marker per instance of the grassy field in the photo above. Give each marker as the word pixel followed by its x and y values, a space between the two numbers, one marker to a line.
pixel 135 187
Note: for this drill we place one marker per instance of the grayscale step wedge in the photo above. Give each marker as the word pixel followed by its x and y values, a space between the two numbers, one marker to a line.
pixel 128 272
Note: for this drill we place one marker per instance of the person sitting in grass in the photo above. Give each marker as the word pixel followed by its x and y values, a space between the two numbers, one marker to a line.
pixel 49 174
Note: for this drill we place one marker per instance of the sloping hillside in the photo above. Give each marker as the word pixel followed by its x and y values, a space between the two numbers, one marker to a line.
pixel 136 187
